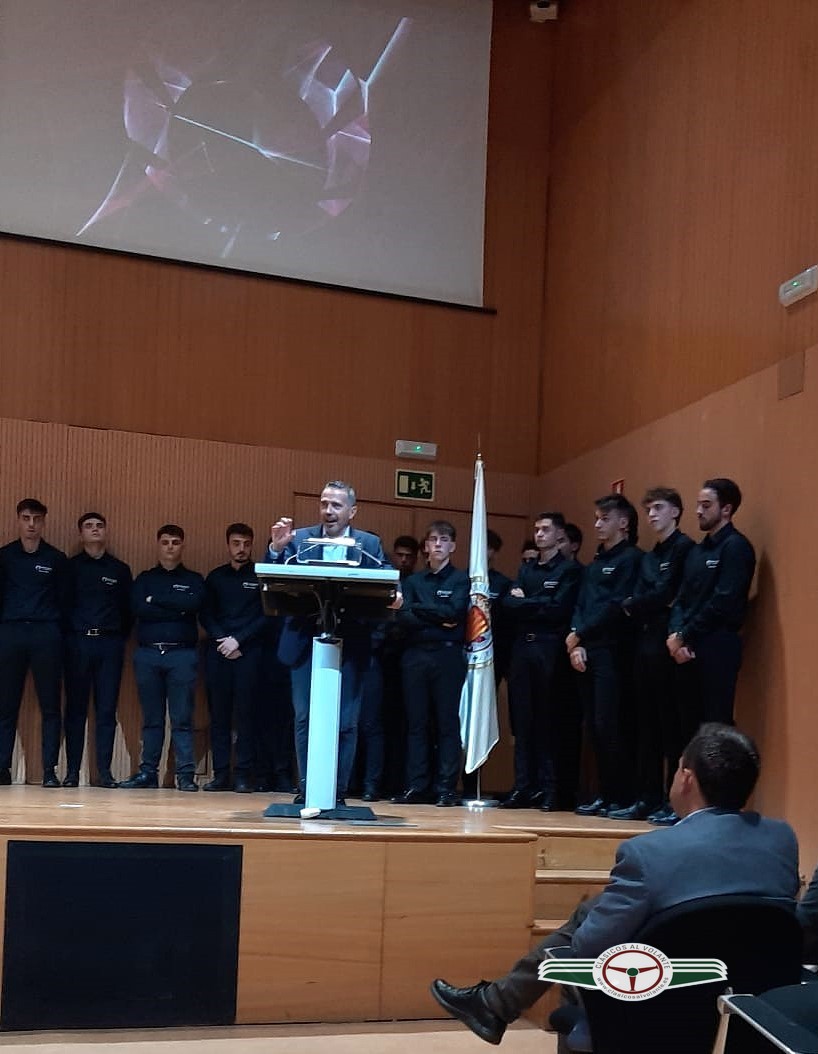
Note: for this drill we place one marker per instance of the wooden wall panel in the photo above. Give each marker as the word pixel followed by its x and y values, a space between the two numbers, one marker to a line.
pixel 682 189
pixel 102 341
pixel 770 447
pixel 142 481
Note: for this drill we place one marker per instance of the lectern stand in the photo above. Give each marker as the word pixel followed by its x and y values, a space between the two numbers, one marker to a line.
pixel 329 591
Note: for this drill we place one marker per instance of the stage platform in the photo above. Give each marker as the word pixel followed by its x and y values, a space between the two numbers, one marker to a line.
pixel 340 922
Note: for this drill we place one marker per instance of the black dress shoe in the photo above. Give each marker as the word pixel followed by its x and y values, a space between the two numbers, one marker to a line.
pixel 105 779
pixel 186 782
pixel 597 807
pixel 413 797
pixel 300 798
pixel 72 779
pixel 548 803
pixel 517 800
pixel 370 794
pixel 141 781
pixel 5 778
pixel 219 783
pixel 640 810
pixel 243 786
pixel 469 1006
pixel 665 819
pixel 340 803
pixel 448 799
pixel 50 778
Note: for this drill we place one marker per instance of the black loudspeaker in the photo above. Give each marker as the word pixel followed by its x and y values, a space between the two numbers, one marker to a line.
pixel 103 935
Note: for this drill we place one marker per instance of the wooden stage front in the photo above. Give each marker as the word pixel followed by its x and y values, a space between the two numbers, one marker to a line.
pixel 337 923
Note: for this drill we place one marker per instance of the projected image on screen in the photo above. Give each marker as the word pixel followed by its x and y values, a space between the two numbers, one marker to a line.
pixel 340 141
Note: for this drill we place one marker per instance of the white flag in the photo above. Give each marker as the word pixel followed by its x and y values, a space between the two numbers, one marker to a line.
pixel 478 701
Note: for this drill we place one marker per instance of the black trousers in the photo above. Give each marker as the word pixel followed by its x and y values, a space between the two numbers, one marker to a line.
pixel 371 746
pixel 605 688
pixel 232 695
pixel 432 680
pixel 273 718
pixel 533 702
pixel 91 664
pixel 659 739
pixel 36 646
pixel 707 684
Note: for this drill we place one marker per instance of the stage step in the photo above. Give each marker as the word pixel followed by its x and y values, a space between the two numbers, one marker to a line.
pixel 541 1011
pixel 544 928
pixel 557 891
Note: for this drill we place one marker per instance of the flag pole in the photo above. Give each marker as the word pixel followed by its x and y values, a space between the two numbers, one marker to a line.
pixel 478 702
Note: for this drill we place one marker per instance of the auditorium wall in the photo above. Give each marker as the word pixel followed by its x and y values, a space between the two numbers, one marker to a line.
pixel 682 188
pixel 102 341
pixel 769 444
pixel 142 481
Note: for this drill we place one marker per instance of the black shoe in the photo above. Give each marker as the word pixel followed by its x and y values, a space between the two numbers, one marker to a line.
pixel 640 810
pixel 5 778
pixel 50 778
pixel 243 786
pixel 340 803
pixel 186 782
pixel 517 800
pixel 469 1006
pixel 300 798
pixel 105 779
pixel 370 794
pixel 597 807
pixel 72 779
pixel 447 799
pixel 665 819
pixel 659 812
pixel 413 797
pixel 548 803
pixel 218 783
pixel 141 781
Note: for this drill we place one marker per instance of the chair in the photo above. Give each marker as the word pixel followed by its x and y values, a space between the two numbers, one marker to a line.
pixel 786 1018
pixel 759 940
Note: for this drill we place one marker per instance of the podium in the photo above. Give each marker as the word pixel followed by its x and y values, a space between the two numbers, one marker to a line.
pixel 328 591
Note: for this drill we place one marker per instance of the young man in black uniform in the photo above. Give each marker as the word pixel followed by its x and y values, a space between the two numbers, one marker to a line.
pixel 540 604
pixel 99 621
pixel 710 609
pixel 659 739
pixel 435 602
pixel 166 600
pixel 32 600
pixel 234 621
pixel 600 646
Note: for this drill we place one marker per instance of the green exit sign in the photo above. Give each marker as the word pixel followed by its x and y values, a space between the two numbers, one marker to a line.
pixel 414 486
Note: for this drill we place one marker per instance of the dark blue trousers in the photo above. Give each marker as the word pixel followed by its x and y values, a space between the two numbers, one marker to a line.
pixel 432 681
pixel 36 646
pixel 91 663
pixel 162 680
pixel 232 694
pixel 352 680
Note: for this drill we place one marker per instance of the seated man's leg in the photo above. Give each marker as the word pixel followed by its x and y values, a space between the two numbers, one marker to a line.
pixel 487 1007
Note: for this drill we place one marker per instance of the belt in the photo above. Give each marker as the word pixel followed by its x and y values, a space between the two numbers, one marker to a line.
pixel 95 632
pixel 166 645
pixel 530 638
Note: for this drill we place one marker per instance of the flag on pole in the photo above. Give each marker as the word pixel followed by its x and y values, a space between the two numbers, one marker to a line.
pixel 478 700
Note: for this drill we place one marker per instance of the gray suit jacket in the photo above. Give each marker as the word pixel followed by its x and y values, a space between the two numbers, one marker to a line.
pixel 709 853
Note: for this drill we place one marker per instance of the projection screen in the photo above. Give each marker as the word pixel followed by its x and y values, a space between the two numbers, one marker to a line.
pixel 337 141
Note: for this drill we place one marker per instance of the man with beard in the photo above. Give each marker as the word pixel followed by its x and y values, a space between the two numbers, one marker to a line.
pixel 337 510
pixel 710 609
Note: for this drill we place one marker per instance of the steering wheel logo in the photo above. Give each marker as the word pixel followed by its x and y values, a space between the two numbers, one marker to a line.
pixel 632 972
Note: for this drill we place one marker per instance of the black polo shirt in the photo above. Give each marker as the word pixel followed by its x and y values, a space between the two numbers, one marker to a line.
pixel 232 605
pixel 551 591
pixel 715 585
pixel 607 581
pixel 176 597
pixel 431 599
pixel 32 585
pixel 660 576
pixel 99 594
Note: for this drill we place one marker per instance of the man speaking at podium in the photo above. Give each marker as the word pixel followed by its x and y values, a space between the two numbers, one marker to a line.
pixel 337 510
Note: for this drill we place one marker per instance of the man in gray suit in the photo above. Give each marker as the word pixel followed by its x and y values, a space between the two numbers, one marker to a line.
pixel 337 510
pixel 715 849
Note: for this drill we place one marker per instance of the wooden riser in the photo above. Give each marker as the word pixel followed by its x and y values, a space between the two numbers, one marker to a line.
pixel 557 892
